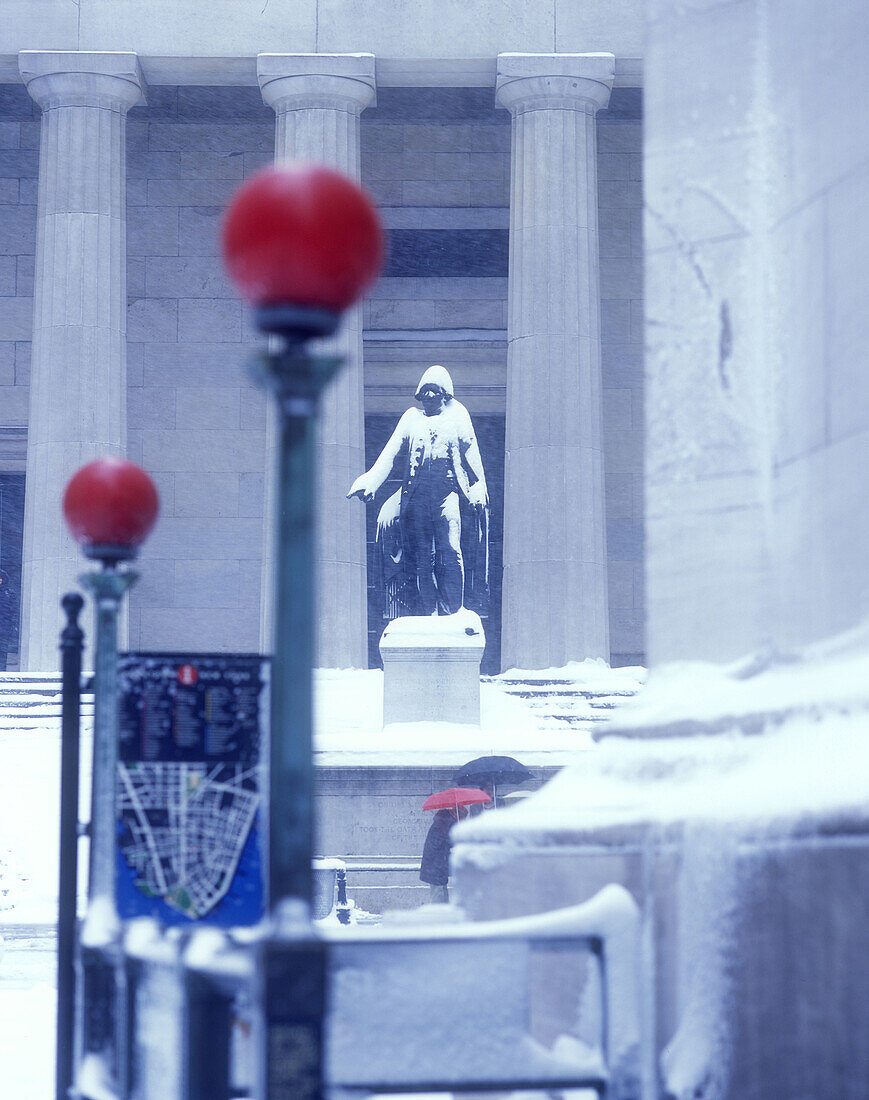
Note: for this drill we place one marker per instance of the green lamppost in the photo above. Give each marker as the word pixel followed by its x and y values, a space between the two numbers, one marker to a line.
pixel 110 506
pixel 302 243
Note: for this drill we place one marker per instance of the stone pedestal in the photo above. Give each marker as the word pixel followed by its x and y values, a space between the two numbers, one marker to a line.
pixel 431 668
pixel 78 388
pixel 317 99
pixel 555 564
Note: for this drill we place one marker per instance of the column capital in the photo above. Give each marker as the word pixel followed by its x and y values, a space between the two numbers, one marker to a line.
pixel 340 81
pixel 572 81
pixel 69 78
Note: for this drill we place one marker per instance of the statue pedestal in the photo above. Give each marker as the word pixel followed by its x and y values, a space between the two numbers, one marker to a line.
pixel 431 668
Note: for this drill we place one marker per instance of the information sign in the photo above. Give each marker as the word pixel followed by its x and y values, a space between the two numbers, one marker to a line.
pixel 192 728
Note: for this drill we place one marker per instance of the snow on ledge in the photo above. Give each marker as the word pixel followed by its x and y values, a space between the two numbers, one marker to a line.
pixel 682 753
pixel 592 674
pixel 687 696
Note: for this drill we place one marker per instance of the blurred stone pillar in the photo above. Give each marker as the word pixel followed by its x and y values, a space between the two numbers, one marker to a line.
pixel 78 389
pixel 317 99
pixel 555 565
pixel 757 403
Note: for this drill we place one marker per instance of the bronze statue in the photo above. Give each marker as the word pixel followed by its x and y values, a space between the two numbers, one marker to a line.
pixel 432 534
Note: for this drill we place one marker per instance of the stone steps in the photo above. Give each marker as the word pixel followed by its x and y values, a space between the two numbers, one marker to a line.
pixel 562 702
pixel 381 899
pixel 30 703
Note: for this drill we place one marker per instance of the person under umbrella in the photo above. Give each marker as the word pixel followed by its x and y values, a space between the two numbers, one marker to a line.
pixel 491 772
pixel 451 806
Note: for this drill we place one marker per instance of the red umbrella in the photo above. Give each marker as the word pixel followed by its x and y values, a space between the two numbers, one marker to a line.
pixel 455 797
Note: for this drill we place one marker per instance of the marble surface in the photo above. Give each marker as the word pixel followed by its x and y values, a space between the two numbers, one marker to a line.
pixel 431 668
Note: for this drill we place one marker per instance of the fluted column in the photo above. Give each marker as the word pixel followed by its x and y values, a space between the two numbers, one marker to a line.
pixel 317 99
pixel 78 374
pixel 555 568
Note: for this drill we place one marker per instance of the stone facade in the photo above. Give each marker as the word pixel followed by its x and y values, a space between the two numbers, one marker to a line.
pixel 196 422
pixel 19 160
pixel 755 506
pixel 438 161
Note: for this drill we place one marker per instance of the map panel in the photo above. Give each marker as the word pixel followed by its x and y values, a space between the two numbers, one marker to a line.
pixel 189 786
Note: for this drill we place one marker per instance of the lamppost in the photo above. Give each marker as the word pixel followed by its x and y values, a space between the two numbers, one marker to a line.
pixel 302 243
pixel 110 506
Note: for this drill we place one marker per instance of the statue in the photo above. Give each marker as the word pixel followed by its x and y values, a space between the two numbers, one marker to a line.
pixel 432 534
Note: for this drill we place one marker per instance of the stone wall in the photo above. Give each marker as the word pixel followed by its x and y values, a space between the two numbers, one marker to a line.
pixel 19 153
pixel 19 157
pixel 196 422
pixel 620 202
pixel 438 162
pixel 757 231
pixel 174 37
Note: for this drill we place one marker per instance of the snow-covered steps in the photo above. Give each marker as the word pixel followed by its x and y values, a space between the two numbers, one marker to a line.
pixel 558 702
pixel 33 703
pixel 578 695
pixel 29 955
pixel 380 884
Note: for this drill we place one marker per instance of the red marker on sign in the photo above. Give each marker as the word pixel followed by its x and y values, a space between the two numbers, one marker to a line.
pixel 187 675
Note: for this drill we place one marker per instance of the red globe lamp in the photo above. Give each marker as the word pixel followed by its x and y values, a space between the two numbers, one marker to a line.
pixel 110 506
pixel 302 243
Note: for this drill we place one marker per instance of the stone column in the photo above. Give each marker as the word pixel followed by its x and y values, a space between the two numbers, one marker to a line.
pixel 317 99
pixel 555 565
pixel 78 388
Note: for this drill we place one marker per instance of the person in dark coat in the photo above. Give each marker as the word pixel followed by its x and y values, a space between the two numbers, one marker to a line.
pixel 8 615
pixel 435 865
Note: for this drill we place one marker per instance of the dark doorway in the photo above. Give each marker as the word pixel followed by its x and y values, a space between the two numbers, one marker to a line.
pixel 11 541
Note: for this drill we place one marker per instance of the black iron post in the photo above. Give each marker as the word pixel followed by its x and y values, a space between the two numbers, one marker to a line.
pixel 342 909
pixel 208 1025
pixel 71 644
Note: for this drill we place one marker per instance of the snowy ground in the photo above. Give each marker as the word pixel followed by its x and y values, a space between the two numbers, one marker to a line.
pixel 546 716
pixel 348 732
pixel 27 1007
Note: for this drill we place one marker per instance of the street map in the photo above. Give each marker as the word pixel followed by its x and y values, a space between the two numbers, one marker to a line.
pixel 189 780
pixel 185 826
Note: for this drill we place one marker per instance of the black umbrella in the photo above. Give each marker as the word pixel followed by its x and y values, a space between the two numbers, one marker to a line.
pixel 498 771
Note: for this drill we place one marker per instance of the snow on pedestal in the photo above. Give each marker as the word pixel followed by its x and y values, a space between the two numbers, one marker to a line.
pixel 431 668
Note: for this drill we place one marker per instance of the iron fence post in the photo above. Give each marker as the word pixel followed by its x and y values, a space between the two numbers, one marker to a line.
pixel 71 644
